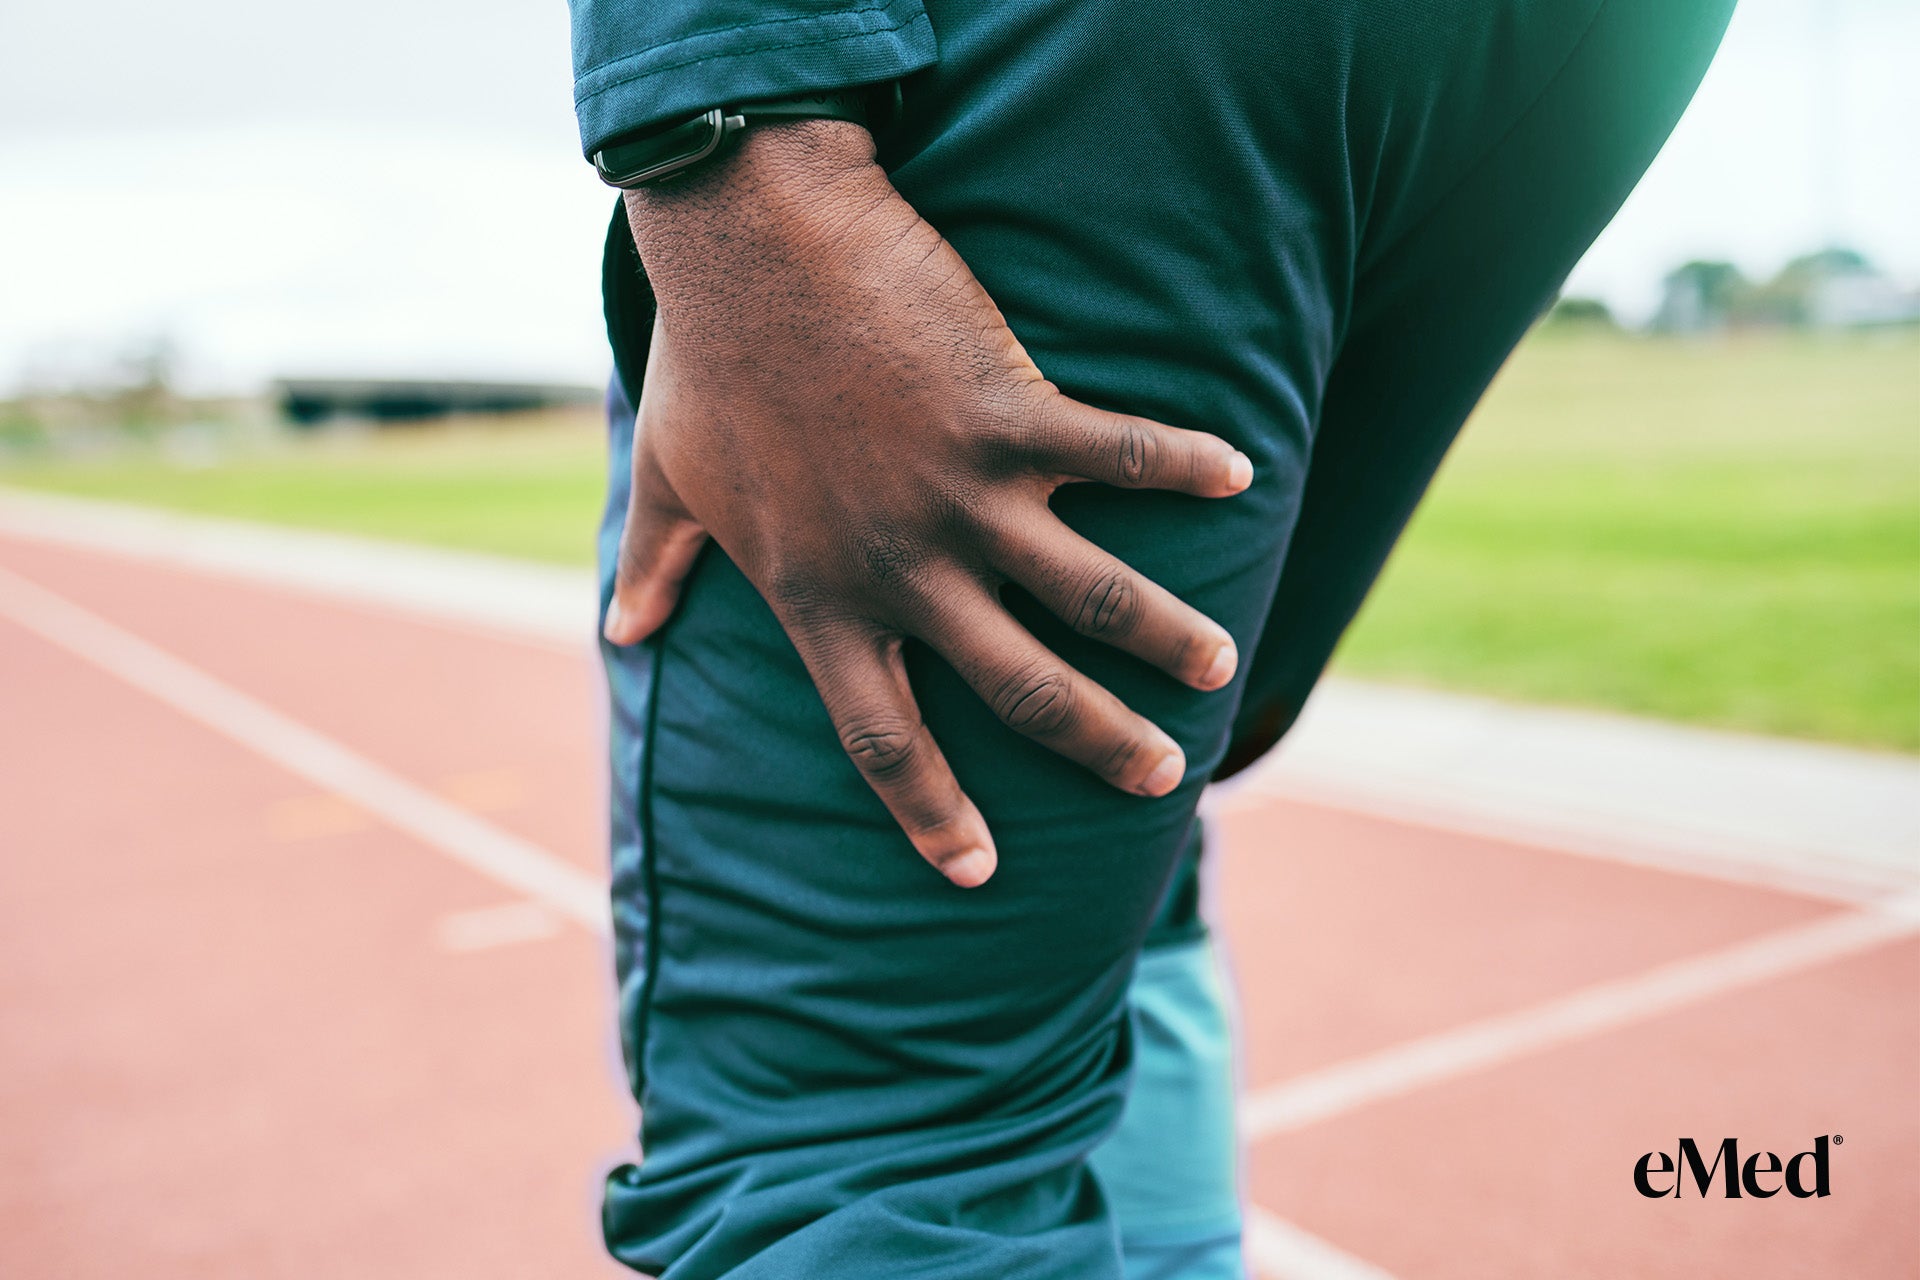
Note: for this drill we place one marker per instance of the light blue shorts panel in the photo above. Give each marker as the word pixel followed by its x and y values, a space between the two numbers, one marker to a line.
pixel 1171 1169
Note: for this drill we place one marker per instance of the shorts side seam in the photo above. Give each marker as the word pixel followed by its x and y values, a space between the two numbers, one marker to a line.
pixel 649 855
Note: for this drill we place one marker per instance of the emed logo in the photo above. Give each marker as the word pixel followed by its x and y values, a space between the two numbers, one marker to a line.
pixel 1736 1177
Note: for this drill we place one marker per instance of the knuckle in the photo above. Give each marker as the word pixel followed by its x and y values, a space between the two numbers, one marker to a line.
pixel 1003 419
pixel 882 751
pixel 1040 418
pixel 1035 702
pixel 1137 454
pixel 1001 434
pixel 797 597
pixel 1004 447
pixel 1109 607
pixel 888 559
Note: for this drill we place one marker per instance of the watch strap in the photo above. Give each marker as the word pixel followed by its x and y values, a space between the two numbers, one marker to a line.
pixel 830 104
pixel 667 150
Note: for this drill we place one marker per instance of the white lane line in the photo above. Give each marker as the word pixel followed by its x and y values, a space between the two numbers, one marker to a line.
pixel 1809 818
pixel 1358 1082
pixel 1812 818
pixel 1278 1250
pixel 502 926
pixel 478 845
pixel 497 595
pixel 1833 879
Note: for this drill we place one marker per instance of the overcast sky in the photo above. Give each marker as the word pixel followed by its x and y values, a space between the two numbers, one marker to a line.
pixel 297 189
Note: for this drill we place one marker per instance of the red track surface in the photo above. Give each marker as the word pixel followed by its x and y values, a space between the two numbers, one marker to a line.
pixel 236 1043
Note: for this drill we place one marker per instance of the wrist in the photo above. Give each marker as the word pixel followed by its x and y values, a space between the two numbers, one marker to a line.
pixel 785 193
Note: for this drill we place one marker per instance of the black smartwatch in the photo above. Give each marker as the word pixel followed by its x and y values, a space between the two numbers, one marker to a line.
pixel 669 150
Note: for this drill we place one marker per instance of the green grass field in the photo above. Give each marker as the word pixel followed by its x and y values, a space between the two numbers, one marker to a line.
pixel 1726 533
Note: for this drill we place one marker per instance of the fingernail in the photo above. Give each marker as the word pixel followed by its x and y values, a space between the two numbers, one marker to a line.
pixel 1165 776
pixel 1220 670
pixel 610 628
pixel 971 869
pixel 1240 471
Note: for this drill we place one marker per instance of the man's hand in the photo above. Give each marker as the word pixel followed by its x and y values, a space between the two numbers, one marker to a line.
pixel 832 395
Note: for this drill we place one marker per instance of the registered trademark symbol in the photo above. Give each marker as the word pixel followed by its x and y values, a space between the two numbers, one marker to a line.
pixel 1837 1139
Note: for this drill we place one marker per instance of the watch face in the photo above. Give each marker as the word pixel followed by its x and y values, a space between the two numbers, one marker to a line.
pixel 632 162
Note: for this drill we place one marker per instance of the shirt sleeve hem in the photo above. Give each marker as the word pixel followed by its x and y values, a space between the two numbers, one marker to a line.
pixel 761 60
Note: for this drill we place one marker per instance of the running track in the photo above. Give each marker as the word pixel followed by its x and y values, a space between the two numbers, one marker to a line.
pixel 304 976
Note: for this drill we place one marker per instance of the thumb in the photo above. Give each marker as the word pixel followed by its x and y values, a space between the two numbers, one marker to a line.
pixel 658 546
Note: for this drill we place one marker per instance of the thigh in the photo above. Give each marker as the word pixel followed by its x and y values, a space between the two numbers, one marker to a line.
pixel 844 1065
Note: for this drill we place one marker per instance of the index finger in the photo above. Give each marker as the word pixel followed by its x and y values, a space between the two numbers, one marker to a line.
pixel 1078 441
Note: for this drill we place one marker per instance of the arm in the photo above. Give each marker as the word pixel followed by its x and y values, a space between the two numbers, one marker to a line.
pixel 832 396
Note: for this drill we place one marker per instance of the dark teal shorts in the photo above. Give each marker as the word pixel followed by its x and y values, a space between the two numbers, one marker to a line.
pixel 1315 228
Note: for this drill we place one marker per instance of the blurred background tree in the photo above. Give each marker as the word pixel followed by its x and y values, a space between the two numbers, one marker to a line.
pixel 1832 288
